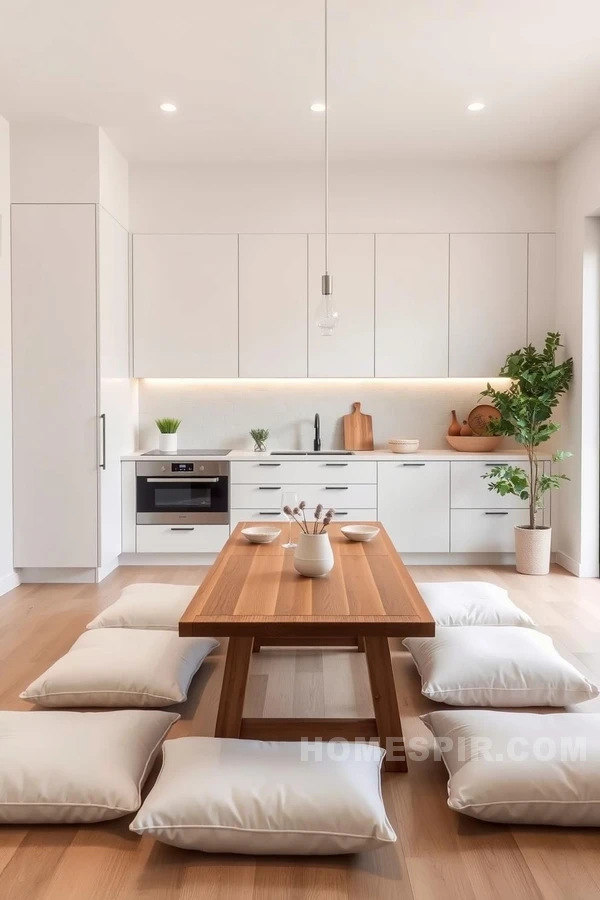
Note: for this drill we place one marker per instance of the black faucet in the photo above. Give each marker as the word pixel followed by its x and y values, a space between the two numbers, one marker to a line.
pixel 317 441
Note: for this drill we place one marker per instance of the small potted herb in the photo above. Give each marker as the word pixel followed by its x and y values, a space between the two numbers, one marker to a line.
pixel 167 438
pixel 259 436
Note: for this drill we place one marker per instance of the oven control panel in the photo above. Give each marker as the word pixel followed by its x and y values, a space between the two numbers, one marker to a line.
pixel 182 467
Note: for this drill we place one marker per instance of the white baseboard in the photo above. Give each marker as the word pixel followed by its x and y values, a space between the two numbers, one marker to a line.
pixel 103 571
pixel 57 576
pixel 575 567
pixel 167 559
pixel 458 559
pixel 9 582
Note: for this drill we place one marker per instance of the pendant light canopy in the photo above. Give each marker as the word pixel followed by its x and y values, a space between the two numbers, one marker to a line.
pixel 327 316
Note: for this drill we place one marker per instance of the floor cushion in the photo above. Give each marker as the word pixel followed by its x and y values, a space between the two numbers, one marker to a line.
pixel 122 667
pixel 521 768
pixel 471 603
pixel 489 666
pixel 263 797
pixel 158 606
pixel 59 767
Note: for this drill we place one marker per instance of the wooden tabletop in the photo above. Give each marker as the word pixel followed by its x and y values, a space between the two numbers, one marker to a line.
pixel 254 590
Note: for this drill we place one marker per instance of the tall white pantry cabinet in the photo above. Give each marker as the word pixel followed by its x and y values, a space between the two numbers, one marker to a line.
pixel 72 394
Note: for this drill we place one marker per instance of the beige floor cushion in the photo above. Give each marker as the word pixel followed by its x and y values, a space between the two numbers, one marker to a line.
pixel 471 603
pixel 59 767
pixel 159 606
pixel 122 667
pixel 489 666
pixel 521 768
pixel 236 796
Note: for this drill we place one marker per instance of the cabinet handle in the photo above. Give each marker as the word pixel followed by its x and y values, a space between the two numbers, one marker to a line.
pixel 181 480
pixel 272 512
pixel 268 465
pixel 412 464
pixel 274 488
pixel 336 488
pixel 340 512
pixel 187 528
pixel 103 420
pixel 492 465
pixel 335 465
pixel 498 513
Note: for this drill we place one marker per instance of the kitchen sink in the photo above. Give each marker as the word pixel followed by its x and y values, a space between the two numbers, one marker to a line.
pixel 312 453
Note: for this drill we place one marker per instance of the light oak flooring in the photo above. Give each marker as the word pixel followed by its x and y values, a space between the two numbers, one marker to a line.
pixel 439 855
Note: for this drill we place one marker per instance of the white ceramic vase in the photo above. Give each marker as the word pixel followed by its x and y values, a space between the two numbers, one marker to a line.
pixel 313 556
pixel 167 443
pixel 532 549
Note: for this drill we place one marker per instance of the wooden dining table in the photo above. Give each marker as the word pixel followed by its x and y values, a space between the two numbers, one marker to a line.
pixel 254 596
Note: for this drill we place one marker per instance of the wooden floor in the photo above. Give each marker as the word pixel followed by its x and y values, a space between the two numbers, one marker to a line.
pixel 439 855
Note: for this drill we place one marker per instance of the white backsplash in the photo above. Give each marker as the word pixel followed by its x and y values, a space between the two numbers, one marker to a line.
pixel 221 413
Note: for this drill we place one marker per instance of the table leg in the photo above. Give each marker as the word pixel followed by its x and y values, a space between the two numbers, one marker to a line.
pixel 256 646
pixel 233 689
pixel 385 702
pixel 360 644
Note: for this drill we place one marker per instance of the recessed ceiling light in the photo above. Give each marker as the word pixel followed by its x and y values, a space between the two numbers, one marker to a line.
pixel 168 107
pixel 318 107
pixel 476 107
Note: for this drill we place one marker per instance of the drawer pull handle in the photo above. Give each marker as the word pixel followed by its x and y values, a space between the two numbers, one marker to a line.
pixel 335 465
pixel 188 528
pixel 340 512
pixel 268 465
pixel 336 488
pixel 412 464
pixel 498 513
pixel 274 488
pixel 272 512
pixel 493 465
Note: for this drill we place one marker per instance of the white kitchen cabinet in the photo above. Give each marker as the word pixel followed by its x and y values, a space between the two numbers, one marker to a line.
pixel 488 301
pixel 301 472
pixel 268 496
pixel 411 322
pixel 273 305
pixel 181 538
pixel 541 306
pixel 349 351
pixel 470 490
pixel 485 530
pixel 70 364
pixel 185 305
pixel 263 516
pixel 117 394
pixel 414 505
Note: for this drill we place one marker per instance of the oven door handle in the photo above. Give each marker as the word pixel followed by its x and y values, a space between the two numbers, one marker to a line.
pixel 181 480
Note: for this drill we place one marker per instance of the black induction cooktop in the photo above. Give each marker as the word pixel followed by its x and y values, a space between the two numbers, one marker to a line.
pixel 187 453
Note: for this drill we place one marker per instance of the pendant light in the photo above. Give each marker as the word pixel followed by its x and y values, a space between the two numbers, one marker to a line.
pixel 327 316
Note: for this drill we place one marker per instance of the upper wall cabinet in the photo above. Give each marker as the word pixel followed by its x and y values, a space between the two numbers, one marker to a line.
pixel 411 321
pixel 488 301
pixel 348 352
pixel 185 305
pixel 273 305
pixel 541 308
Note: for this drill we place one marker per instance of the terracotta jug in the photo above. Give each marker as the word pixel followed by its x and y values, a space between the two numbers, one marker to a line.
pixel 466 430
pixel 454 429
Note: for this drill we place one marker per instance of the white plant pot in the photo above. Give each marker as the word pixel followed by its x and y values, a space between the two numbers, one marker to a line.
pixel 532 548
pixel 313 556
pixel 167 443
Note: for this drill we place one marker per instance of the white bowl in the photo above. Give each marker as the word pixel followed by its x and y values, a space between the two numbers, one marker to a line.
pixel 261 534
pixel 360 532
pixel 403 445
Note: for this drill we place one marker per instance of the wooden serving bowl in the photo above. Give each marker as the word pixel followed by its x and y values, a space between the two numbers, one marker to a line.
pixel 473 444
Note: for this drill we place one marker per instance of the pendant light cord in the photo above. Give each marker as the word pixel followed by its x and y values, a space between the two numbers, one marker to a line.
pixel 326 146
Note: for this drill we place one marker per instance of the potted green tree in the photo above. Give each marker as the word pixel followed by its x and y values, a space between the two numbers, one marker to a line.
pixel 526 410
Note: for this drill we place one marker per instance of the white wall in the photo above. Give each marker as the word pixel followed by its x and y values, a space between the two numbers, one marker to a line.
pixel 577 301
pixel 54 163
pixel 113 180
pixel 7 577
pixel 284 198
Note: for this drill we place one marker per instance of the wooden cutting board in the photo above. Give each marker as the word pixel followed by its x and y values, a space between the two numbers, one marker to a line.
pixel 358 430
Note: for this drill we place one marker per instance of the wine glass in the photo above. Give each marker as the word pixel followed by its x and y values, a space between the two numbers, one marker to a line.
pixel 288 498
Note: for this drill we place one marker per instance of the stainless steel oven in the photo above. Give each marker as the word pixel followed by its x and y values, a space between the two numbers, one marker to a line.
pixel 182 491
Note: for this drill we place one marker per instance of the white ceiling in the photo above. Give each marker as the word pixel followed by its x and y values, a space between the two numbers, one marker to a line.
pixel 244 73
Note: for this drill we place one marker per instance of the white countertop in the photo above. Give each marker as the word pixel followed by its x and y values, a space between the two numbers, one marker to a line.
pixel 358 456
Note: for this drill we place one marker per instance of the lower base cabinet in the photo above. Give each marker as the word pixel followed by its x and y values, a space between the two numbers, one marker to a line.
pixel 274 515
pixel 181 538
pixel 485 530
pixel 413 501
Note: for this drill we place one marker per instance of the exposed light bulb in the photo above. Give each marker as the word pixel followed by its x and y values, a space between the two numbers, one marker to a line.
pixel 327 315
